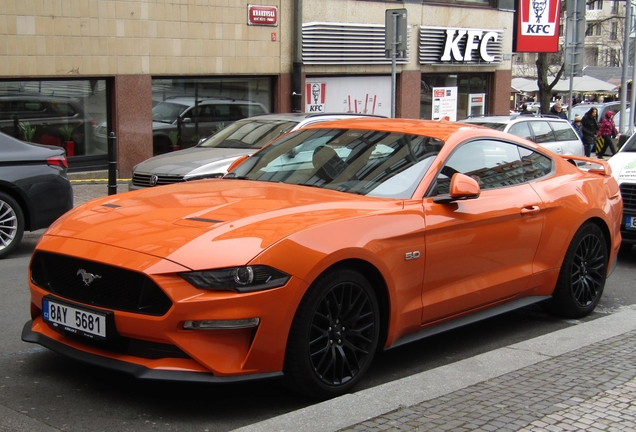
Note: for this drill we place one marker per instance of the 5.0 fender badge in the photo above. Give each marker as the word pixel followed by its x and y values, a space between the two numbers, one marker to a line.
pixel 87 278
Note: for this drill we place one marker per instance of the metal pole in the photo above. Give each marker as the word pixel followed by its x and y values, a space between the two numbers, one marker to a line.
pixel 112 164
pixel 628 24
pixel 633 98
pixel 572 49
pixel 393 64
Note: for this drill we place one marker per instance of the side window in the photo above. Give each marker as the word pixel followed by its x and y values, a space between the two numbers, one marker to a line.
pixel 535 164
pixel 542 132
pixel 563 131
pixel 492 163
pixel 521 130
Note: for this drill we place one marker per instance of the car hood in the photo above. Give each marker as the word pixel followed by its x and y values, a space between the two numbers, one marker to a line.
pixel 623 167
pixel 218 223
pixel 183 162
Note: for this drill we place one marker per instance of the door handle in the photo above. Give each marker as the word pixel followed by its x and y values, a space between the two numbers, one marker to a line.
pixel 530 209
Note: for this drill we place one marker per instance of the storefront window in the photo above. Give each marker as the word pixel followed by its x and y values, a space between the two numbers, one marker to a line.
pixel 64 113
pixel 185 110
pixel 472 93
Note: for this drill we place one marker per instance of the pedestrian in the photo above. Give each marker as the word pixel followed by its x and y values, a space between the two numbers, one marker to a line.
pixel 557 110
pixel 577 126
pixel 607 130
pixel 525 111
pixel 589 128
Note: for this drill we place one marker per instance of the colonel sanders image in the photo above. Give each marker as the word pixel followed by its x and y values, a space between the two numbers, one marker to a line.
pixel 315 91
pixel 539 7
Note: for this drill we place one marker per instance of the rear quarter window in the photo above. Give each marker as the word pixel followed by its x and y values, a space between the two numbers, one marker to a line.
pixel 542 132
pixel 563 131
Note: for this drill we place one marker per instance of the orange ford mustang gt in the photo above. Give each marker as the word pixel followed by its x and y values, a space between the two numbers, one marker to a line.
pixel 333 242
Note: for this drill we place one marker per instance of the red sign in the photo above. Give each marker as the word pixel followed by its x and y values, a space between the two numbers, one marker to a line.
pixel 537 26
pixel 262 15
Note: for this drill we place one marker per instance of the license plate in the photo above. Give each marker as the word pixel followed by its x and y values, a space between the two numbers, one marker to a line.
pixel 74 319
pixel 630 222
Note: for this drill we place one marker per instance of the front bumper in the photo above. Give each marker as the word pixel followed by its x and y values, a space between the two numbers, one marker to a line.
pixel 138 371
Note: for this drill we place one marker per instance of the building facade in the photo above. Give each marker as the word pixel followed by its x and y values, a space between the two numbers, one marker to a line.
pixel 74 71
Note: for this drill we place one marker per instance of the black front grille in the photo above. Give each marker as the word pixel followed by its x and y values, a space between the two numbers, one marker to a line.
pixel 143 179
pixel 110 287
pixel 628 192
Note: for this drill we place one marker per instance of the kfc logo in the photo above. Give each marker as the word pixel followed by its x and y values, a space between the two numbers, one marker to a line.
pixel 316 93
pixel 538 26
pixel 539 17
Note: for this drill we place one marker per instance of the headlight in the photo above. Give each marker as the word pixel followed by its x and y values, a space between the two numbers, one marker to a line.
pixel 240 279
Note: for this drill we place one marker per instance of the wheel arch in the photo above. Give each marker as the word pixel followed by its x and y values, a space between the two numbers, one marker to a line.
pixel 606 234
pixel 380 288
pixel 13 193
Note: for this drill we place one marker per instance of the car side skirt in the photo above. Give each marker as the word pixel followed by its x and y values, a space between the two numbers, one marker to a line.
pixel 468 319
pixel 138 371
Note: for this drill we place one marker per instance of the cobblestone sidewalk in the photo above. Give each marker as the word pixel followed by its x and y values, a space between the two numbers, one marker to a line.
pixel 590 389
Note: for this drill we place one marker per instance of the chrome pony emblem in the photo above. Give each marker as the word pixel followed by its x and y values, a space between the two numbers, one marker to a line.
pixel 87 278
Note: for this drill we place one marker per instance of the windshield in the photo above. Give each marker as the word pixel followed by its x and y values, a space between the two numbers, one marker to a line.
pixel 167 112
pixel 374 163
pixel 248 134
pixel 630 144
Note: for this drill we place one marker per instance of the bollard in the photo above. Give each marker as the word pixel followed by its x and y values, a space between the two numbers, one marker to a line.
pixel 112 164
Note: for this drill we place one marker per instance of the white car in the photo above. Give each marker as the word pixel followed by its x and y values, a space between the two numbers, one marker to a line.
pixel 623 165
pixel 555 134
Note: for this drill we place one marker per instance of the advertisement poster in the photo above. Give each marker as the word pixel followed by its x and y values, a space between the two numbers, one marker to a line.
pixel 444 103
pixel 362 95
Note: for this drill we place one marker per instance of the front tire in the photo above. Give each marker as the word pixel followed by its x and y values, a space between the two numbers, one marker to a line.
pixel 11 224
pixel 583 274
pixel 334 335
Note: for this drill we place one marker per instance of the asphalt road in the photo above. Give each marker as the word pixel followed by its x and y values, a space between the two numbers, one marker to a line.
pixel 43 391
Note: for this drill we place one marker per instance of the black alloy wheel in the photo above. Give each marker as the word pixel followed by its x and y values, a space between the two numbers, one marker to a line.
pixel 583 274
pixel 334 335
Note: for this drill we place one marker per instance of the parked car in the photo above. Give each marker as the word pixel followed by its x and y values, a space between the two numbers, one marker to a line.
pixel 555 134
pixel 602 108
pixel 623 165
pixel 48 116
pixel 34 189
pixel 334 241
pixel 189 119
pixel 212 157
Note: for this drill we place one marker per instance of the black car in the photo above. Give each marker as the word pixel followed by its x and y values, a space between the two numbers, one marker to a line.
pixel 34 189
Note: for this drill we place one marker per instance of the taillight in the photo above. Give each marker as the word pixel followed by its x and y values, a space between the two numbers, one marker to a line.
pixel 59 161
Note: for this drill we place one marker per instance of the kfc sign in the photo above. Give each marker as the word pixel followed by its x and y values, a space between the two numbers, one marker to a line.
pixel 262 15
pixel 537 24
pixel 453 45
pixel 472 40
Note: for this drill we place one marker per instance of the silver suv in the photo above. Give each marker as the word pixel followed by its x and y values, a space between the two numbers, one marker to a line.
pixel 555 134
pixel 212 157
pixel 180 122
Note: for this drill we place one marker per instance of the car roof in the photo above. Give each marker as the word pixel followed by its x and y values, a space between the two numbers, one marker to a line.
pixel 299 117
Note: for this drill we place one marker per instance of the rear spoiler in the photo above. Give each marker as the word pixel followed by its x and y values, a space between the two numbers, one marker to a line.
pixel 593 165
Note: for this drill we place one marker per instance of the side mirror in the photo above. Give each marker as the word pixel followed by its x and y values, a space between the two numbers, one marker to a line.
pixel 462 187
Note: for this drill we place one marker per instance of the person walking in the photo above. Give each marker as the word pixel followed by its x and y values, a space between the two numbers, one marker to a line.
pixel 589 129
pixel 525 110
pixel 607 129
pixel 577 126
pixel 557 110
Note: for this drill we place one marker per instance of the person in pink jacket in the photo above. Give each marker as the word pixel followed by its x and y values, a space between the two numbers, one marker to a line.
pixel 607 130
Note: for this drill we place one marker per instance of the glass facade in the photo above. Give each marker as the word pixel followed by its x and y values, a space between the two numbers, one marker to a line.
pixel 468 85
pixel 186 110
pixel 65 113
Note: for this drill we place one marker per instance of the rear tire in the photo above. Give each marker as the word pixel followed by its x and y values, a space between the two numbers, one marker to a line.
pixel 583 274
pixel 11 224
pixel 334 335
